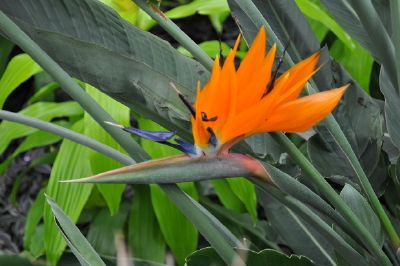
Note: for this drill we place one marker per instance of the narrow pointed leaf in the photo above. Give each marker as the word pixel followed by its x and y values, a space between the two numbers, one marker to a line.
pixel 77 242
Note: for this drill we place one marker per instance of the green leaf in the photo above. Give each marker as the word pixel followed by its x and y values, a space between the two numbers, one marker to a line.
pixel 6 48
pixel 392 108
pixel 314 11
pixel 43 110
pixel 17 260
pixel 103 229
pixel 266 257
pixel 76 241
pixel 99 162
pixel 72 161
pixel 297 233
pixel 179 233
pixel 259 229
pixel 37 139
pixel 226 195
pixel 43 91
pixel 246 192
pixel 33 218
pixel 145 238
pixel 359 205
pixel 19 69
pixel 132 66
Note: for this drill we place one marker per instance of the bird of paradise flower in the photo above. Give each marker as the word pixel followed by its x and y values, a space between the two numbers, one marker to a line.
pixel 233 105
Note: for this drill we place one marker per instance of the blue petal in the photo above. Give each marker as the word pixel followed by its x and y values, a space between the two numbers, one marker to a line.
pixel 151 135
pixel 186 147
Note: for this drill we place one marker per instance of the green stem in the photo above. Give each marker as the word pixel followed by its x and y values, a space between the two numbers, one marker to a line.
pixel 196 214
pixel 332 196
pixel 177 33
pixel 66 133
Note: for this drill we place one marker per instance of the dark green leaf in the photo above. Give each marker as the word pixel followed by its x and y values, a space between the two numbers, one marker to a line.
pixel 267 257
pixel 392 108
pixel 145 238
pixel 103 229
pixel 359 205
pixel 33 218
pixel 296 233
pixel 17 260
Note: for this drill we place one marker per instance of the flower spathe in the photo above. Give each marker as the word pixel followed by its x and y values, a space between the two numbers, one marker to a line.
pixel 237 103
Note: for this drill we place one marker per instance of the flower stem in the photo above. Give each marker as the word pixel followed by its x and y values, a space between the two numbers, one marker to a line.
pixel 177 33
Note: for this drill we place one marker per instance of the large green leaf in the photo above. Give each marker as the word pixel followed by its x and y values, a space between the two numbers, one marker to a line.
pixel 363 210
pixel 130 65
pixel 392 108
pixel 145 238
pixel 81 248
pixel 104 228
pixel 267 257
pixel 72 161
pixel 43 110
pixel 99 162
pixel 302 238
pixel 20 68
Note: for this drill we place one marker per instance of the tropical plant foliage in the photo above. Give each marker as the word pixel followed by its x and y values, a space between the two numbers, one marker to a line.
pixel 330 196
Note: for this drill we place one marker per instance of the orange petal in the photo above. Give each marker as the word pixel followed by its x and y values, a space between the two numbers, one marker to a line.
pixel 296 74
pixel 250 93
pixel 253 59
pixel 302 114
pixel 200 134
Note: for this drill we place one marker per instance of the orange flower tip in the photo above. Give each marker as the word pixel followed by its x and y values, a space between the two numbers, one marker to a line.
pixel 237 42
pixel 114 124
